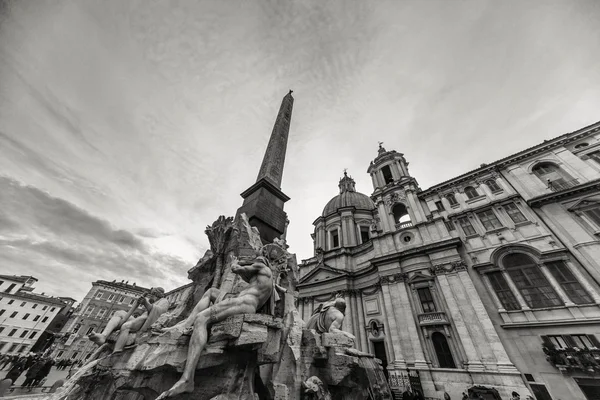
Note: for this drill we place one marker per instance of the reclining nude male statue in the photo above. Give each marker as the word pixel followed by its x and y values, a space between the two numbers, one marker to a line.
pixel 123 321
pixel 328 318
pixel 215 306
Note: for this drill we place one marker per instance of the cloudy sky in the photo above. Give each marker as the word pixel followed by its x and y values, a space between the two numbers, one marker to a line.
pixel 127 126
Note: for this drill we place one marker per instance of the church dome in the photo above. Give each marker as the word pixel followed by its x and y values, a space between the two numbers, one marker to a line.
pixel 348 197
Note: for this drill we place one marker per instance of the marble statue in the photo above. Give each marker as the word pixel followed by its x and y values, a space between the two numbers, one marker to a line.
pixel 155 305
pixel 328 317
pixel 215 306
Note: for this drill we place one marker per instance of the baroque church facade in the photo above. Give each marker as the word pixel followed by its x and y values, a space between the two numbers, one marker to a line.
pixel 488 281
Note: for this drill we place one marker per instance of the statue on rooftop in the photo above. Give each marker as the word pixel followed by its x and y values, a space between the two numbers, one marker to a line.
pixel 328 317
pixel 215 306
pixel 155 304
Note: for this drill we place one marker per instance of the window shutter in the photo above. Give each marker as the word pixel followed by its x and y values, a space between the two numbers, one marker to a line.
pixel 594 340
pixel 547 342
pixel 569 341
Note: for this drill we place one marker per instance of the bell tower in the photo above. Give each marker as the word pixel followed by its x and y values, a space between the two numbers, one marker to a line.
pixel 395 191
pixel 264 200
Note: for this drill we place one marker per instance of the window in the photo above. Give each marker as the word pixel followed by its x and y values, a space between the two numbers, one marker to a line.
pixel 442 350
pixel 426 299
pixel 76 328
pixel 1 329
pixel 101 312
pixel 582 341
pixel 466 226
pixel 60 354
pixel 530 281
pixel 14 314
pixel 89 310
pixel 593 214
pixel 36 318
pixel 9 289
pixel 569 283
pixel 44 319
pixel 24 333
pixel 335 238
pixel 26 316
pixel 2 312
pixel 121 299
pixel 98 294
pixel 449 225
pixel 471 192
pixel 493 185
pixel 44 308
pixel 90 330
pixel 23 348
pixel 558 342
pixel 111 296
pixel 34 306
pixel 489 220
pixel 52 309
pixel 551 174
pixel 12 332
pixel 387 174
pixel 451 199
pixel 505 295
pixel 13 347
pixel 11 301
pixel 514 213
pixel 364 234
pixel 440 206
pixel 131 302
pixel 595 155
pixel 23 304
pixel 32 335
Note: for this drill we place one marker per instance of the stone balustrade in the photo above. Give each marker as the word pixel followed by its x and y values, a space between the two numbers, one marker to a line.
pixel 433 318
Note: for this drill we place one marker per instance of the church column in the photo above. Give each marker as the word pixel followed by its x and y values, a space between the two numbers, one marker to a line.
pixel 361 321
pixel 503 361
pixel 416 208
pixel 472 363
pixel 406 310
pixel 392 331
pixel 357 328
pixel 384 217
pixel 348 324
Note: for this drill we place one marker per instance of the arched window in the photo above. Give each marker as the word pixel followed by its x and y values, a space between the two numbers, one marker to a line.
pixel 451 199
pixel 553 176
pixel 531 282
pixel 442 350
pixel 471 192
pixel 491 183
pixel 400 213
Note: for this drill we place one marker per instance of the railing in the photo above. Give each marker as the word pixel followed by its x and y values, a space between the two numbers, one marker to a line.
pixel 436 317
pixel 403 225
pixel 574 359
pixel 561 185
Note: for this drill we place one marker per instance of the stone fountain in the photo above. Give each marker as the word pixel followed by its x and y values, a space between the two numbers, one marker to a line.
pixel 269 354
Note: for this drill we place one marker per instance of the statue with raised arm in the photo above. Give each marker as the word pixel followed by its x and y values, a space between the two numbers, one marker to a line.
pixel 154 303
pixel 215 306
pixel 328 317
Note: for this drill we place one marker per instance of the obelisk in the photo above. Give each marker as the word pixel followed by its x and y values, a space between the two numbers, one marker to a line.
pixel 264 200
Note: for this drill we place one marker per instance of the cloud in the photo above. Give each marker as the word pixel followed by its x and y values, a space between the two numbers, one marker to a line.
pixel 45 235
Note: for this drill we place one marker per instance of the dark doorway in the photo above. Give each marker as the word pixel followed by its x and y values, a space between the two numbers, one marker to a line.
pixel 541 393
pixel 442 350
pixel 379 349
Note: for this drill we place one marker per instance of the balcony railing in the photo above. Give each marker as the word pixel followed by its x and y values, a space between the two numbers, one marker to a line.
pixel 433 318
pixel 574 359
pixel 561 185
pixel 404 225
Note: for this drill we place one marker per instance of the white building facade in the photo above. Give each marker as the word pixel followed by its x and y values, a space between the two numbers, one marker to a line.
pixel 24 315
pixel 487 282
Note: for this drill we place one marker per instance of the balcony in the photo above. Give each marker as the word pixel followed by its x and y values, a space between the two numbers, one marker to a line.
pixel 557 186
pixel 403 225
pixel 574 359
pixel 433 318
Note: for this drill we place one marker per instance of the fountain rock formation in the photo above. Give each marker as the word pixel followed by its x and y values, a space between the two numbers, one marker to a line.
pixel 266 355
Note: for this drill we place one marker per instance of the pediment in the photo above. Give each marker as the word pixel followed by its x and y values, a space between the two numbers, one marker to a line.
pixel 585 203
pixel 322 273
pixel 419 277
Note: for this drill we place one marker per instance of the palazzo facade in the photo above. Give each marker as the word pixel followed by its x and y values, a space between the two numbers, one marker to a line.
pixel 486 280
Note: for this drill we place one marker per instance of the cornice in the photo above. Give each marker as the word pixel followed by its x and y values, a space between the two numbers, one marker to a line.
pixel 514 158
pixel 575 191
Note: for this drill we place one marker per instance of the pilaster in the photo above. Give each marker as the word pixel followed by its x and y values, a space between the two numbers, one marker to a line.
pixel 392 332
pixel 409 319
pixel 361 322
